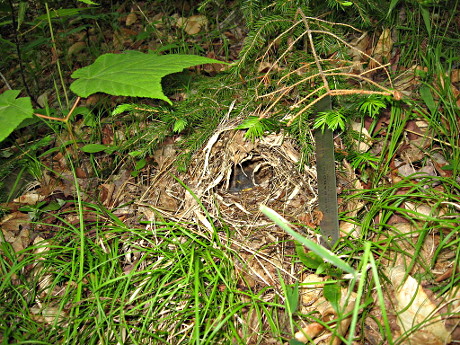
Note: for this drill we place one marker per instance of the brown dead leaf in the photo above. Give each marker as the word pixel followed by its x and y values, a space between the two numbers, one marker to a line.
pixel 76 48
pixel 193 24
pixel 15 228
pixel 265 67
pixel 359 46
pixel 131 19
pixel 29 198
pixel 382 50
pixel 418 316
pixel 239 147
pixel 455 76
pixel 81 172
pixel 365 143
pixel 309 332
pixel 107 135
pixel 106 193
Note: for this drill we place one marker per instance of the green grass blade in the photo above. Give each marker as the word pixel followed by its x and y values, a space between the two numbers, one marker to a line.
pixel 326 254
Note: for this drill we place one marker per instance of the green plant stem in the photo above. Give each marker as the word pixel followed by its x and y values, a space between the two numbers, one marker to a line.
pixel 196 291
pixel 58 63
pixel 360 291
pixel 81 249
pixel 380 297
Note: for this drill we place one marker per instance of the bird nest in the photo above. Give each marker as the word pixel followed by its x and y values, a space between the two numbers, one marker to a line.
pixel 225 185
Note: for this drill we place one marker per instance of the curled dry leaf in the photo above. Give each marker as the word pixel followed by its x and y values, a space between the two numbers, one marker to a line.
pixel 76 48
pixel 309 332
pixel 382 50
pixel 418 317
pixel 42 100
pixel 364 144
pixel 29 198
pixel 313 300
pixel 15 228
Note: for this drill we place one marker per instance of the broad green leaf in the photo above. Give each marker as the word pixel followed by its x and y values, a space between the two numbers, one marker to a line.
pixel 52 206
pixel 135 153
pixel 294 341
pixel 426 18
pixel 140 164
pixel 132 73
pixel 332 294
pixel 88 2
pixel 122 108
pixel 427 97
pixel 292 297
pixel 13 111
pixel 94 148
pixel 310 259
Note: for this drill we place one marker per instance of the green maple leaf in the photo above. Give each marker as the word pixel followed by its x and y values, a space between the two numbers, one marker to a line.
pixel 132 73
pixel 13 111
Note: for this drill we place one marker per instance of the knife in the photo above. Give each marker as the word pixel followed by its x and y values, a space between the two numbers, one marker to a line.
pixel 325 170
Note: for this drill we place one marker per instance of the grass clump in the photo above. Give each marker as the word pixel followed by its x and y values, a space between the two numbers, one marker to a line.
pixel 167 283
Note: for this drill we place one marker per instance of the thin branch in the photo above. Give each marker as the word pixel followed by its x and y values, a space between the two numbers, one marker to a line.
pixel 311 104
pixel 5 81
pixel 60 118
pixel 324 74
pixel 313 50
pixel 379 65
pixel 337 93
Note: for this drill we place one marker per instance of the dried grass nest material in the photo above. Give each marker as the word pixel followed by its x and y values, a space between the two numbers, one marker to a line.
pixel 269 165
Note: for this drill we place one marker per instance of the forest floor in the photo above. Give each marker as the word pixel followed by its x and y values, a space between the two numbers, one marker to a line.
pixel 119 243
